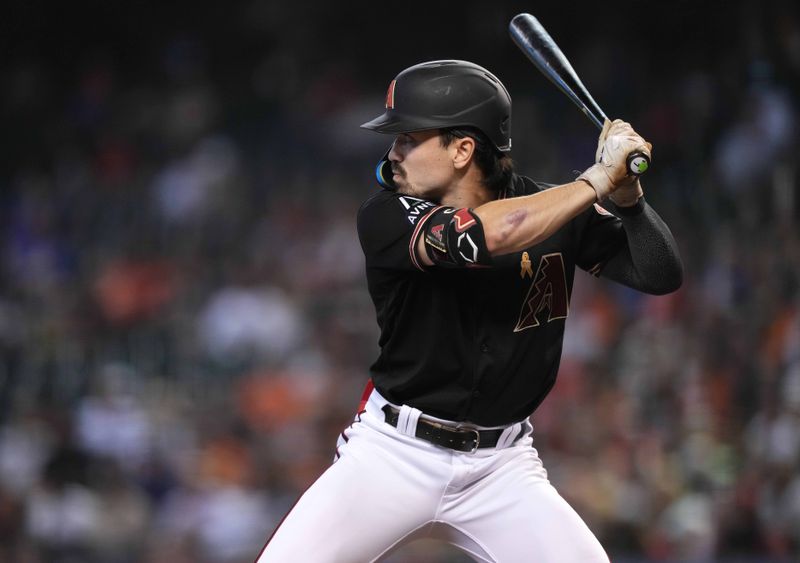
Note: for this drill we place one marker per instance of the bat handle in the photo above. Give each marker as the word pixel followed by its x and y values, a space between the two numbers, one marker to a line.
pixel 638 163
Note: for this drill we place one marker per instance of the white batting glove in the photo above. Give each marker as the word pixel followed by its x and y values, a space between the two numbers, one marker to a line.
pixel 602 138
pixel 610 172
pixel 627 194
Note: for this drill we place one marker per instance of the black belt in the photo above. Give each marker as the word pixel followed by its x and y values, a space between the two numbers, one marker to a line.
pixel 459 438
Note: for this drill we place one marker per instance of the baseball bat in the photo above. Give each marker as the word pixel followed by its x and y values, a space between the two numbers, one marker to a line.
pixel 532 38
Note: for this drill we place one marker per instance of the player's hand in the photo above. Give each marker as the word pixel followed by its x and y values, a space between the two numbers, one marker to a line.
pixel 610 171
pixel 627 194
pixel 602 138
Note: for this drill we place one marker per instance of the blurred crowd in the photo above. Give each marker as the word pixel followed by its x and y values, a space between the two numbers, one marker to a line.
pixel 185 327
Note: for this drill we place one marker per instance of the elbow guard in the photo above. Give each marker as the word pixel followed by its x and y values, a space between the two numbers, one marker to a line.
pixel 455 238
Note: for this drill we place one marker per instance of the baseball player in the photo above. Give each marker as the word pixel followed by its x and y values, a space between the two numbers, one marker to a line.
pixel 470 267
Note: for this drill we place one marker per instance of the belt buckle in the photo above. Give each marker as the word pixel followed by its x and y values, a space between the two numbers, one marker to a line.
pixel 477 433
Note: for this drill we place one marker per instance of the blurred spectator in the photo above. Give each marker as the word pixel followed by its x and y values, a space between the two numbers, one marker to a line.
pixel 111 423
pixel 241 323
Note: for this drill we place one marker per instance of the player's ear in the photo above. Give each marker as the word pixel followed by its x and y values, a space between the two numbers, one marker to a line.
pixel 464 148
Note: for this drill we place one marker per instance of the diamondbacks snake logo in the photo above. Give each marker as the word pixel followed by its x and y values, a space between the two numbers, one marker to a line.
pixel 547 298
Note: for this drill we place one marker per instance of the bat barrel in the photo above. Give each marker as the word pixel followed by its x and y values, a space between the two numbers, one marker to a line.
pixel 533 40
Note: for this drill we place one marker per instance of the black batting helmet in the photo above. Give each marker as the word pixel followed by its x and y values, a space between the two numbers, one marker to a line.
pixel 450 93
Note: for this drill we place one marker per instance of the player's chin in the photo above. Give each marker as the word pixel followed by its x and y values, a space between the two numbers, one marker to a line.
pixel 402 184
pixel 407 189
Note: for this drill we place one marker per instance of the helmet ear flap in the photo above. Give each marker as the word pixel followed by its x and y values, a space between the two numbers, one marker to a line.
pixel 383 172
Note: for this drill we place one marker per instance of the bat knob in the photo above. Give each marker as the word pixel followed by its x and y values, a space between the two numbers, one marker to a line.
pixel 638 163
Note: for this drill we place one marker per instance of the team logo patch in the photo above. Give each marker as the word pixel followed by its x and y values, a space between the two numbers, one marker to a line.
pixel 435 238
pixel 548 297
pixel 390 95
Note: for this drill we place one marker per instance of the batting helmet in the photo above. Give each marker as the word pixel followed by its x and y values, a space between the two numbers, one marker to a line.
pixel 439 94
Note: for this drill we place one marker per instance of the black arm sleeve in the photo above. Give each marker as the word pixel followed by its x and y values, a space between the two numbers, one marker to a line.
pixel 650 262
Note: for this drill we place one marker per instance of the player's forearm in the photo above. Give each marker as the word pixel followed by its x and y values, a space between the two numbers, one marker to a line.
pixel 651 262
pixel 511 225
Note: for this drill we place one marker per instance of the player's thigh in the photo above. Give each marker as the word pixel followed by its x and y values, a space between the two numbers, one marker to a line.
pixel 552 532
pixel 517 516
pixel 362 505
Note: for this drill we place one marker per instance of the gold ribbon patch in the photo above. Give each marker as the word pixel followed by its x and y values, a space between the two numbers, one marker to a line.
pixel 525 266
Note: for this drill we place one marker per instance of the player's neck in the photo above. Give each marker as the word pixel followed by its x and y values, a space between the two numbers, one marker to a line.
pixel 468 191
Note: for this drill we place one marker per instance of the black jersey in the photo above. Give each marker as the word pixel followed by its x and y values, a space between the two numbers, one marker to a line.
pixel 470 340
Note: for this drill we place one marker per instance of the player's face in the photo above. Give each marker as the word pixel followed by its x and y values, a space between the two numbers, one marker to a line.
pixel 422 167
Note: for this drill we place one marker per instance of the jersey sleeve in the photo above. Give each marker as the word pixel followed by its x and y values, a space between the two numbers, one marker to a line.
pixel 600 237
pixel 389 227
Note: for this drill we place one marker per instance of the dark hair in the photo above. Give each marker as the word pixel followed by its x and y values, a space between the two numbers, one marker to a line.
pixel 497 167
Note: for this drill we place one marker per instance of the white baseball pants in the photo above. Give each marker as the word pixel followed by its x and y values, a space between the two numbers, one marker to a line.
pixel 388 488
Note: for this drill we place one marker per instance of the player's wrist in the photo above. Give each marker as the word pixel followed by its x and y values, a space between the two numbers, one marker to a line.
pixel 585 183
pixel 599 181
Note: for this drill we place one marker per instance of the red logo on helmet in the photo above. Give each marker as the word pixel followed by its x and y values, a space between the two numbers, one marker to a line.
pixel 390 96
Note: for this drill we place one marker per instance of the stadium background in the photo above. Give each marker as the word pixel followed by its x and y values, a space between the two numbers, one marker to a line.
pixel 184 325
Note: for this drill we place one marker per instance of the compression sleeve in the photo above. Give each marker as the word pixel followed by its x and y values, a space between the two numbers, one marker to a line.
pixel 650 262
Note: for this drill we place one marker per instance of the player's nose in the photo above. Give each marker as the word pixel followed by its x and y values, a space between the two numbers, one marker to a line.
pixel 395 154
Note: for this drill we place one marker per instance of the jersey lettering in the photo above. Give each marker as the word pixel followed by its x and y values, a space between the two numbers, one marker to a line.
pixel 547 298
pixel 415 207
pixel 409 201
